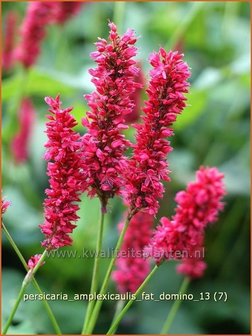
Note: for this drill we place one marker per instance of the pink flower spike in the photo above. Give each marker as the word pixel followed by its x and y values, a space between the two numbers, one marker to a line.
pixel 9 40
pixel 32 262
pixel 21 141
pixel 65 176
pixel 33 31
pixel 104 144
pixel 166 99
pixel 4 205
pixel 64 10
pixel 197 206
pixel 132 267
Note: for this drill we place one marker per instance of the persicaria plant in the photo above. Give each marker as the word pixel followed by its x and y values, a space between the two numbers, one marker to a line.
pixel 96 164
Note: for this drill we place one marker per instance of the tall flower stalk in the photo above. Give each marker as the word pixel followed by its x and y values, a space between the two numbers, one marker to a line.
pixel 148 166
pixel 65 176
pixel 145 170
pixel 197 206
pixel 175 307
pixel 28 278
pixel 66 184
pixel 96 163
pixel 104 144
pixel 94 315
pixel 35 283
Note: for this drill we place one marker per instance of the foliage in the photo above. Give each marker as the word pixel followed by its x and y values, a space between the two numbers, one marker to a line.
pixel 213 130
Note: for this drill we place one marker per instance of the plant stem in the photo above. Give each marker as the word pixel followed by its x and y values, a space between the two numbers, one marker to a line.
pixel 19 298
pixel 119 7
pixel 119 317
pixel 95 270
pixel 174 308
pixel 35 283
pixel 25 283
pixel 104 287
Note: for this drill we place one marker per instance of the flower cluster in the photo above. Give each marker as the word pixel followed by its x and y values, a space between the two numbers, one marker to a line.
pixel 33 31
pixel 64 10
pixel 4 205
pixel 32 262
pixel 132 267
pixel 148 165
pixel 197 206
pixel 64 171
pixel 110 103
pixel 9 39
pixel 21 140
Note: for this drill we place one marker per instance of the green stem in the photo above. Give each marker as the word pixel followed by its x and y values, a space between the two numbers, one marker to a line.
pixel 25 283
pixel 104 287
pixel 174 308
pixel 19 298
pixel 36 285
pixel 95 270
pixel 119 317
pixel 119 8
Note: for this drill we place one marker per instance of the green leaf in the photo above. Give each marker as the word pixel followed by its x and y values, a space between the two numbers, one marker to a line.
pixel 39 83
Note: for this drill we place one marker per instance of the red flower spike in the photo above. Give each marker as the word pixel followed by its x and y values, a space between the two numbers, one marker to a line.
pixel 148 165
pixel 197 206
pixel 104 144
pixel 66 177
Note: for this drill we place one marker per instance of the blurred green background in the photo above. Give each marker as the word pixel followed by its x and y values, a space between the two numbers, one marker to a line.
pixel 213 130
